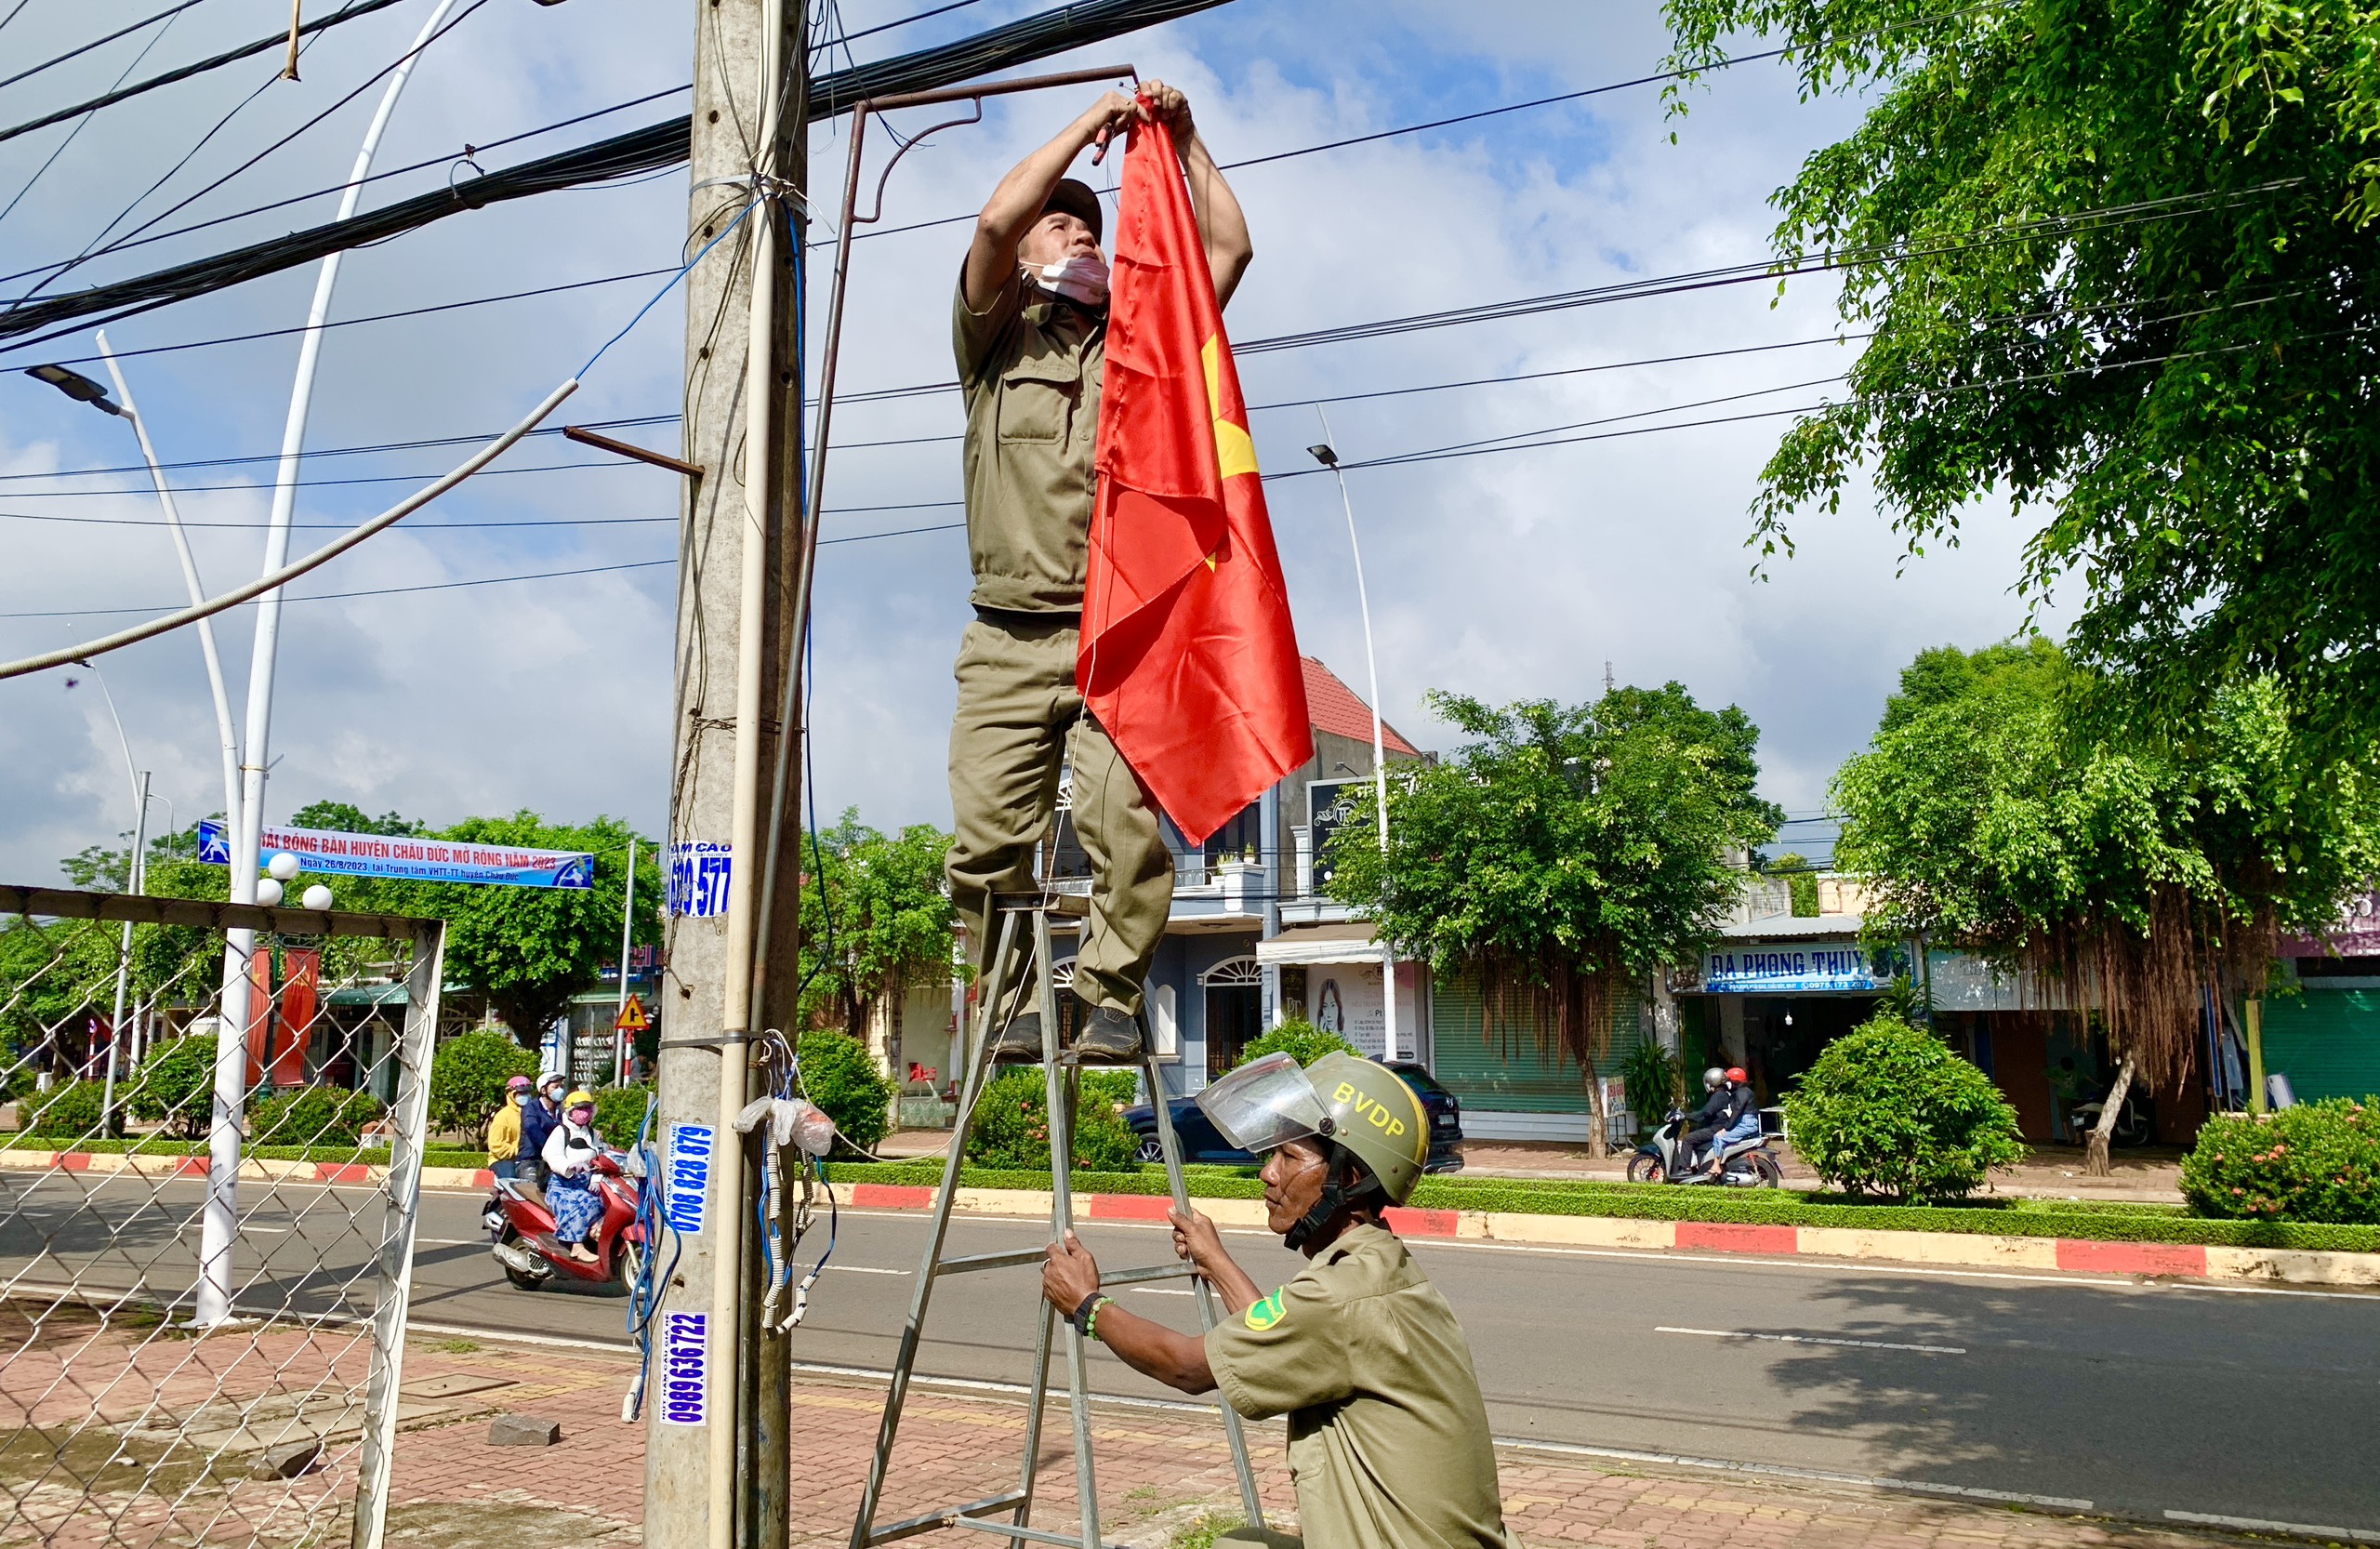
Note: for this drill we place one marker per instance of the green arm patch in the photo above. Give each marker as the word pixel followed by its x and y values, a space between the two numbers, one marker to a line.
pixel 1263 1314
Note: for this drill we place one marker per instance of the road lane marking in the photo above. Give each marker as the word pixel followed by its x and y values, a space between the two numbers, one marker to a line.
pixel 1814 1338
pixel 1163 1290
pixel 2358 1535
pixel 1785 1471
pixel 861 1269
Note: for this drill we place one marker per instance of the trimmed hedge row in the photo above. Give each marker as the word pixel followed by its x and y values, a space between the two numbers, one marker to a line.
pixel 2040 1218
pixel 160 1145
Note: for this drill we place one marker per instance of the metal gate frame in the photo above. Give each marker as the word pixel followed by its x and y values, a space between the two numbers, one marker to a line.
pixel 408 1117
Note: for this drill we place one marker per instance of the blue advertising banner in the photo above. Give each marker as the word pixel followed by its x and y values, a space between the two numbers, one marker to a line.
pixel 409 857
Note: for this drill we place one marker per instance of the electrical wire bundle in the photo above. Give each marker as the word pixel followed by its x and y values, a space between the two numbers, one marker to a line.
pixel 647 150
pixel 651 1275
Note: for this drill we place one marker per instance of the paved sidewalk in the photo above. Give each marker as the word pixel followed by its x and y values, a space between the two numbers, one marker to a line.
pixel 1161 1473
pixel 1164 1470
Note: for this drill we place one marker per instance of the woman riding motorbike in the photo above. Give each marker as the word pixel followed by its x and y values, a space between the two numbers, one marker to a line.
pixel 570 1160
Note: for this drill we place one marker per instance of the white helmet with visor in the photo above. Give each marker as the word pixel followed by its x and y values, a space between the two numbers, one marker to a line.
pixel 1264 1105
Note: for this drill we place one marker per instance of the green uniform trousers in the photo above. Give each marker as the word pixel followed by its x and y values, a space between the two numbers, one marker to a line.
pixel 1018 712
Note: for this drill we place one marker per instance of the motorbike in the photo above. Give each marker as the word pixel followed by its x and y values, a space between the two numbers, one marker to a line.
pixel 521 1230
pixel 2136 1121
pixel 1749 1162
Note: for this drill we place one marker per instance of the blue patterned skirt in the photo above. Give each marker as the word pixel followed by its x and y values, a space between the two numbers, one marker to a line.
pixel 576 1208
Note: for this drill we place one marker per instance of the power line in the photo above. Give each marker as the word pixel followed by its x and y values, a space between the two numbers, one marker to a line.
pixel 469 150
pixel 75 133
pixel 187 156
pixel 183 73
pixel 363 87
pixel 629 423
pixel 640 151
pixel 1500 379
pixel 167 13
pixel 888 26
pixel 1391 134
pixel 381 317
pixel 376 591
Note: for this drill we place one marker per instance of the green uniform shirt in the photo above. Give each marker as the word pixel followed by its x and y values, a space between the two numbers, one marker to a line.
pixel 1030 367
pixel 1389 1444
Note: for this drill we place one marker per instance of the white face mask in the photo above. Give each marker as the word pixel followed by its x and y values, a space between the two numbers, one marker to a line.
pixel 1081 277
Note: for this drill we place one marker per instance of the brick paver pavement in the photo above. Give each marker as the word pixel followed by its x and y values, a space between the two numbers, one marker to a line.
pixel 1161 1469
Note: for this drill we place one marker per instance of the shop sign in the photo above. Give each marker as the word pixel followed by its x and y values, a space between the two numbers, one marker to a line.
pixel 1797 968
pixel 1329 805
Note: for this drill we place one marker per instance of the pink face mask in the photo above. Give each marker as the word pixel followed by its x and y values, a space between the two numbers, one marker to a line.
pixel 582 1116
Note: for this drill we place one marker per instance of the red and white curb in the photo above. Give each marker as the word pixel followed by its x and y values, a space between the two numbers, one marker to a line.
pixel 2177 1261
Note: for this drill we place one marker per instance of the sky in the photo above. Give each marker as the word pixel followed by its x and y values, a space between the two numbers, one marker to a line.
pixel 1509 575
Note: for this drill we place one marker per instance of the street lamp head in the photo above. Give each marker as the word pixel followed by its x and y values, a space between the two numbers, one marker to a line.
pixel 1324 454
pixel 75 386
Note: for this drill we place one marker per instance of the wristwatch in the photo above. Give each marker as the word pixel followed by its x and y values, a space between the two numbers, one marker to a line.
pixel 1085 1318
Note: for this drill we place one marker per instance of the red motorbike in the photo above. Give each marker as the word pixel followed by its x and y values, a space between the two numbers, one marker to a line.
pixel 521 1231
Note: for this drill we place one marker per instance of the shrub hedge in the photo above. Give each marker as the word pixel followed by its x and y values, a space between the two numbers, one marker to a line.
pixel 1888 1109
pixel 1011 1129
pixel 839 1075
pixel 2316 1162
pixel 309 1116
pixel 2045 1218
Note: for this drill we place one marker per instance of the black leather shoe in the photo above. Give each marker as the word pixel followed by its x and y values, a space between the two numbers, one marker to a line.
pixel 1108 1036
pixel 1020 1042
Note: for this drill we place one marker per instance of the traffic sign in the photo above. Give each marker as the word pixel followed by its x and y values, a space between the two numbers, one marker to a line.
pixel 632 1018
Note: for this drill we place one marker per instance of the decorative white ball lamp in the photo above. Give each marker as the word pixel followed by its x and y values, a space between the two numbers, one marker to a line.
pixel 269 892
pixel 318 898
pixel 283 866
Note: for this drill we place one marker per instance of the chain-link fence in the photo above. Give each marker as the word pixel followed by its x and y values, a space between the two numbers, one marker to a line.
pixel 207 1209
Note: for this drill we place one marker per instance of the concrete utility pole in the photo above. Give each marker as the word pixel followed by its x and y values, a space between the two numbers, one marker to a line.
pixel 716 1464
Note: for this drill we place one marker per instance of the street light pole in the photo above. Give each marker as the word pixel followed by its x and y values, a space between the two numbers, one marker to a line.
pixel 132 884
pixel 1328 456
pixel 224 733
pixel 627 932
pixel 213 1302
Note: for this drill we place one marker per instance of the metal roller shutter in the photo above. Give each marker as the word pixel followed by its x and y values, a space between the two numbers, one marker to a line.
pixel 2326 1041
pixel 1483 1078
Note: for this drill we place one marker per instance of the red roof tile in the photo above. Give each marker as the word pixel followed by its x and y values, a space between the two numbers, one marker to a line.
pixel 1333 706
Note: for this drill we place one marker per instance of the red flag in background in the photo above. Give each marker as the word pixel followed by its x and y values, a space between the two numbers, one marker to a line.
pixel 1188 656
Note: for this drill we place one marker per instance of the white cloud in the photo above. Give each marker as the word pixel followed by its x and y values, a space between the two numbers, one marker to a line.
pixel 1509 575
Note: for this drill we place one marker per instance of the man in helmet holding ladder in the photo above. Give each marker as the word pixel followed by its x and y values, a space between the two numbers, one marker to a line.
pixel 1388 1434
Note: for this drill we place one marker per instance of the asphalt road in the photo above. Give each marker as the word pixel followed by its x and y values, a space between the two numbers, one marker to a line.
pixel 2139 1397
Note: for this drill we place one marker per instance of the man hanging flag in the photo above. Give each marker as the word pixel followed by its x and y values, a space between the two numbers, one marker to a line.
pixel 1188 656
pixel 1029 337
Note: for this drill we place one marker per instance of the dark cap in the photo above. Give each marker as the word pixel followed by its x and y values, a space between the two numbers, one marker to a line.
pixel 1075 198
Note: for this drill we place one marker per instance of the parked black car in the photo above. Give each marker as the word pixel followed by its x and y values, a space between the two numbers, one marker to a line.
pixel 1201 1143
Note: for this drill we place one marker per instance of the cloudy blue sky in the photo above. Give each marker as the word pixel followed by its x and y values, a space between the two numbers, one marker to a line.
pixel 1510 576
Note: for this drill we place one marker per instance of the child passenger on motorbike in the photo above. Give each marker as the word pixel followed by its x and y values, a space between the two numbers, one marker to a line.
pixel 1728 1115
pixel 570 1160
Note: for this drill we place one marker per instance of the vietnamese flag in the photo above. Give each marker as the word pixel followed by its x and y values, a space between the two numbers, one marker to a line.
pixel 1188 657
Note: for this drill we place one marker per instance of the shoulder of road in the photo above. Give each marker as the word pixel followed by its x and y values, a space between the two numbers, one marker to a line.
pixel 2031 1236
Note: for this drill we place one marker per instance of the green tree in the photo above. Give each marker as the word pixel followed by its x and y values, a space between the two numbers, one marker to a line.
pixel 1888 1109
pixel 1562 853
pixel 2115 259
pixel 1298 1038
pixel 1800 876
pixel 875 919
pixel 467 1081
pixel 177 1084
pixel 839 1075
pixel 2124 876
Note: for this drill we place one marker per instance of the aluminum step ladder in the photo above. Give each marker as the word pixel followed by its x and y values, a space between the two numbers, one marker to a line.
pixel 1015 1507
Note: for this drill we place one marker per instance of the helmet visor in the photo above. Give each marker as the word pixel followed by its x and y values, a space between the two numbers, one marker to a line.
pixel 1263 1105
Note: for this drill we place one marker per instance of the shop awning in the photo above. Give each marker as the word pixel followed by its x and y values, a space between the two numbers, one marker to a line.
pixel 1338 941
